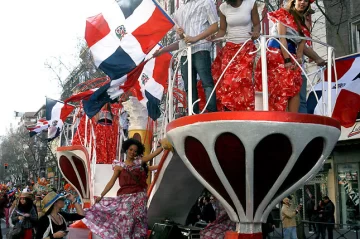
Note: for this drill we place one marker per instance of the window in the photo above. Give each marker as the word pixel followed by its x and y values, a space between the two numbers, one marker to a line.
pixel 172 6
pixel 355 36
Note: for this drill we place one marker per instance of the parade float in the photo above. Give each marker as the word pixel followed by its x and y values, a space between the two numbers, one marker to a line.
pixel 230 159
pixel 228 153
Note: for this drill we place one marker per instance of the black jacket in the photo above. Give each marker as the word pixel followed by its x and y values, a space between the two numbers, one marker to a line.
pixel 329 210
pixel 267 227
pixel 208 213
pixel 3 202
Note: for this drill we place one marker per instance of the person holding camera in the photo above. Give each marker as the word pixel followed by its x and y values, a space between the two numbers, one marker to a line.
pixel 53 223
pixel 288 217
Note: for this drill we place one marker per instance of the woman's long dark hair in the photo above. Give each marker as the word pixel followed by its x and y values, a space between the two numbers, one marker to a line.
pixel 47 213
pixel 299 20
pixel 26 208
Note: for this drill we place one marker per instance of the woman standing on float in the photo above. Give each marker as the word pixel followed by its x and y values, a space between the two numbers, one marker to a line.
pixel 239 20
pixel 284 76
pixel 126 215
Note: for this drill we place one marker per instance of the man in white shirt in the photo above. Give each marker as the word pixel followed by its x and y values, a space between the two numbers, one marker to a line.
pixel 196 20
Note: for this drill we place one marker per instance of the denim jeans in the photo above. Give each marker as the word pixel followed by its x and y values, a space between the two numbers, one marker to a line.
pixel 201 64
pixel 303 103
pixel 290 233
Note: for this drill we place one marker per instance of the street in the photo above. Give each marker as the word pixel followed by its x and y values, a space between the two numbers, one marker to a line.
pixel 338 233
pixel 3 228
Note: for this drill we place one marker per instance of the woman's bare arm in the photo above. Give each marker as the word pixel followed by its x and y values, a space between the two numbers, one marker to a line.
pixel 223 26
pixel 152 155
pixel 282 31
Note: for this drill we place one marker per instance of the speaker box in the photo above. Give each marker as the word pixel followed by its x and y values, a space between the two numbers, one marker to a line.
pixel 165 231
pixel 190 232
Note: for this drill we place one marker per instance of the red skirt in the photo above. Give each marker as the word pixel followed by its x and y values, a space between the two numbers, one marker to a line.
pixel 283 83
pixel 235 92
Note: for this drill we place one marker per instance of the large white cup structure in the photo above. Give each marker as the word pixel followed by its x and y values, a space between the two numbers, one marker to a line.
pixel 250 161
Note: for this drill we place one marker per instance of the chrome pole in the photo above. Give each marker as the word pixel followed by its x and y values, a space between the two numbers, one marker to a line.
pixel 264 73
pixel 170 92
pixel 189 61
pixel 329 64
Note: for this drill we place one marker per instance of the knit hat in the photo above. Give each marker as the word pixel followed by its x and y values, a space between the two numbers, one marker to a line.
pixel 50 199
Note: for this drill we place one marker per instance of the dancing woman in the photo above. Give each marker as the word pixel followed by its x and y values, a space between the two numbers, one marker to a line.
pixel 284 76
pixel 239 20
pixel 126 215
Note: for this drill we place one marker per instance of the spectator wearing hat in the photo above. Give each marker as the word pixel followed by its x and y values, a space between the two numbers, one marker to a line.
pixel 25 215
pixel 53 223
pixel 38 204
pixel 288 217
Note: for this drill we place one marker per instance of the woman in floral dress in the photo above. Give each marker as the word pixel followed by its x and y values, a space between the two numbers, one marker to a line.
pixel 239 20
pixel 124 217
pixel 218 228
pixel 284 76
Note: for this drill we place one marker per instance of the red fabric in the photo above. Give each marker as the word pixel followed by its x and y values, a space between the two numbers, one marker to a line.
pixel 96 29
pixel 153 30
pixel 342 66
pixel 285 17
pixel 346 108
pixel 65 111
pixel 78 224
pixel 27 234
pixel 80 96
pixel 7 214
pixel 237 235
pixel 128 184
pixel 283 83
pixel 235 92
pixel 106 138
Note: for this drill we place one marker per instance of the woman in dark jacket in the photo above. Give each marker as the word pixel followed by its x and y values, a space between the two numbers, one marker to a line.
pixel 195 213
pixel 25 215
pixel 320 219
pixel 208 212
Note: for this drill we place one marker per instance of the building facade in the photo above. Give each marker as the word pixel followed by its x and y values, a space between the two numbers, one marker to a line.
pixel 343 25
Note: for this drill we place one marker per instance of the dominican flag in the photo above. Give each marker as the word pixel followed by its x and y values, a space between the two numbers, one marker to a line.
pixel 346 104
pixel 56 114
pixel 151 84
pixel 41 125
pixel 56 110
pixel 147 82
pixel 120 38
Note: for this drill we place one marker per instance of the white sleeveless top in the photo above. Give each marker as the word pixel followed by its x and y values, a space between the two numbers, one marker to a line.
pixel 238 20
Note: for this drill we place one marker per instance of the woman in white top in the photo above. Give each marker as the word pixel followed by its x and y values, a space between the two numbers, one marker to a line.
pixel 239 20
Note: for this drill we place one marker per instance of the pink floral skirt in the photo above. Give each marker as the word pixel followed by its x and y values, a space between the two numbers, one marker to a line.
pixel 218 228
pixel 123 217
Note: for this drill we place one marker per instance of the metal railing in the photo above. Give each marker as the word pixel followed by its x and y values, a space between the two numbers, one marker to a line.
pixel 262 48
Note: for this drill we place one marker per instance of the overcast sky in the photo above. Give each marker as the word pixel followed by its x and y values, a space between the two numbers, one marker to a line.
pixel 33 32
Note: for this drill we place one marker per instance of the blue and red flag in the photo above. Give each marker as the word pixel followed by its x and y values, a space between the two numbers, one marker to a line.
pixel 346 104
pixel 119 39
